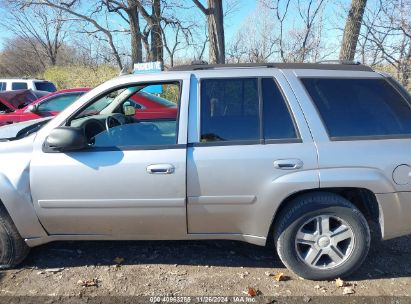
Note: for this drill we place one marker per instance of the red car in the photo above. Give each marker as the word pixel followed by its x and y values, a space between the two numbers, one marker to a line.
pixel 22 107
pixel 148 106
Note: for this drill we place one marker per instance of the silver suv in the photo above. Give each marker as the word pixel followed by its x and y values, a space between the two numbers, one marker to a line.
pixel 305 156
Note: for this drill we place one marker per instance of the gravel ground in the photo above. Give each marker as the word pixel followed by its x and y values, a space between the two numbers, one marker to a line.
pixel 195 268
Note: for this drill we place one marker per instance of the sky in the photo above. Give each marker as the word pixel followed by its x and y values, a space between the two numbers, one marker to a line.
pixel 236 19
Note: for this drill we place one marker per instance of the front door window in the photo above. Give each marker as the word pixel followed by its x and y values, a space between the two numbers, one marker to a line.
pixel 113 120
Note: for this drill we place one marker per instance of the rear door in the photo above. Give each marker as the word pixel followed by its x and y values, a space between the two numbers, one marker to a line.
pixel 248 137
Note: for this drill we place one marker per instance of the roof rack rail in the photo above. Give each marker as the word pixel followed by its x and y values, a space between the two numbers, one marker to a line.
pixel 346 62
pixel 324 65
pixel 203 65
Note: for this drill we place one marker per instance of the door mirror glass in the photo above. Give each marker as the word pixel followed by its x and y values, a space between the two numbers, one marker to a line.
pixel 32 108
pixel 66 139
pixel 128 109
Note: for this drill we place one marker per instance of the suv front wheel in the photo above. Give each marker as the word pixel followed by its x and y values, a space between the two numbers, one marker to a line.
pixel 321 236
pixel 13 249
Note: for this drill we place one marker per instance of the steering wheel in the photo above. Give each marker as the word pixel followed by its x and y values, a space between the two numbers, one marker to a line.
pixel 112 122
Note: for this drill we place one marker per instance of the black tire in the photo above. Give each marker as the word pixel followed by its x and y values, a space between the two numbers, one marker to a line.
pixel 13 249
pixel 306 206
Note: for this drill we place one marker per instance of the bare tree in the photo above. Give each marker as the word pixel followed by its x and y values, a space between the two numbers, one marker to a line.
pixel 127 10
pixel 18 58
pixel 71 7
pixel 386 38
pixel 256 41
pixel 43 29
pixel 215 23
pixel 153 20
pixel 352 29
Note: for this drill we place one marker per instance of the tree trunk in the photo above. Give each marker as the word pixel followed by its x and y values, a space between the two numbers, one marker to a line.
pixel 156 38
pixel 136 45
pixel 215 20
pixel 352 29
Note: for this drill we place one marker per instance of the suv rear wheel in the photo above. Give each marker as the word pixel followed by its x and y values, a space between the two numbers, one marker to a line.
pixel 13 249
pixel 321 236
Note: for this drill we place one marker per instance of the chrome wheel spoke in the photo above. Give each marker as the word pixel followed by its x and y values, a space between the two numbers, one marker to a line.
pixel 305 238
pixel 342 233
pixel 335 255
pixel 323 224
pixel 313 256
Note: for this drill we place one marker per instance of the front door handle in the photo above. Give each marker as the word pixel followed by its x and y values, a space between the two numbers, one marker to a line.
pixel 160 169
pixel 288 164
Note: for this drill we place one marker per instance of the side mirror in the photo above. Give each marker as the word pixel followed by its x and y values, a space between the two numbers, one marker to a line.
pixel 66 139
pixel 128 109
pixel 32 108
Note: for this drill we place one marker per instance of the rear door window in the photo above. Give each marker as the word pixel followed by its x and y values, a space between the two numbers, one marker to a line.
pixel 360 107
pixel 19 86
pixel 229 109
pixel 278 123
pixel 3 86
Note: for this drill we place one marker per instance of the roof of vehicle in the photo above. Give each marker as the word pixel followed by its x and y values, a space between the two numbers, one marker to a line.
pixel 22 79
pixel 70 90
pixel 326 65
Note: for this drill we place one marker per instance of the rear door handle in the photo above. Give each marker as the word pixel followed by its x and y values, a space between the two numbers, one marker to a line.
pixel 160 169
pixel 288 164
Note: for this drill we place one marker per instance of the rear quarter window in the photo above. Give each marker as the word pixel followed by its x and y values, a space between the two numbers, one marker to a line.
pixel 360 107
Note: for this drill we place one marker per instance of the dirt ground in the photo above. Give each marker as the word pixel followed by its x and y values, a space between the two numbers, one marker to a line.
pixel 195 268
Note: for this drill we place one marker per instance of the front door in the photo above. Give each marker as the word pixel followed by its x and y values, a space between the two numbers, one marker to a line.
pixel 130 182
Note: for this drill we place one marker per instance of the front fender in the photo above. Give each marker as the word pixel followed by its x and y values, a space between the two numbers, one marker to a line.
pixel 15 187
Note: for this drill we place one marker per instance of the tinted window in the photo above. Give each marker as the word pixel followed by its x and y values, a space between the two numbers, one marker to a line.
pixel 19 86
pixel 360 107
pixel 278 123
pixel 45 86
pixel 58 103
pixel 229 109
pixel 2 86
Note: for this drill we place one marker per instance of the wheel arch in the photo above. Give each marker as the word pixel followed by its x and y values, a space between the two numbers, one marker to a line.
pixel 364 199
pixel 17 202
